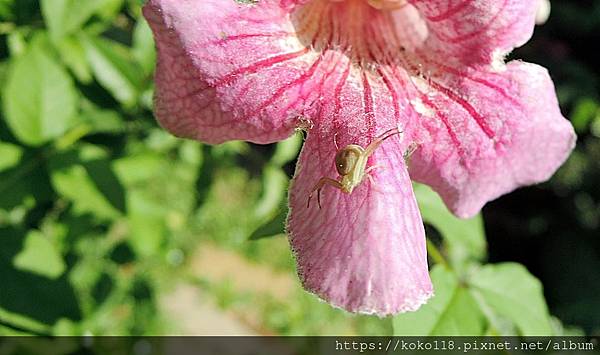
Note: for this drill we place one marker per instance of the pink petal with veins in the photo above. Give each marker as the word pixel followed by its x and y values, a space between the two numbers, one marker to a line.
pixel 489 134
pixel 346 71
pixel 365 251
pixel 476 31
pixel 217 64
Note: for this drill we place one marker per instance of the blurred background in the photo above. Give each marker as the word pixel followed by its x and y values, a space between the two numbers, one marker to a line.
pixel 111 226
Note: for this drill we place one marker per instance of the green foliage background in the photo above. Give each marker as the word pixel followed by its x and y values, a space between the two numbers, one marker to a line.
pixel 103 215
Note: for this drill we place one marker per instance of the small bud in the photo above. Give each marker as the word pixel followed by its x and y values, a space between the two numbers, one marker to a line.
pixel 543 12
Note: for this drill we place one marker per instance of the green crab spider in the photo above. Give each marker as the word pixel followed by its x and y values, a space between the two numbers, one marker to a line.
pixel 351 165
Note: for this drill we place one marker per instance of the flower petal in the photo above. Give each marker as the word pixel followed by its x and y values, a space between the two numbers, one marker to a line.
pixel 476 31
pixel 229 71
pixel 364 251
pixel 489 134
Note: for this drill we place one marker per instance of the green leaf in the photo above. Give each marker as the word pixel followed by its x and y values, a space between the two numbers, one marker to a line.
pixel 32 299
pixel 114 67
pixel 21 11
pixel 143 46
pixel 451 311
pixel 73 56
pixel 16 42
pixel 136 169
pixel 146 208
pixel 510 291
pixel 147 227
pixel 190 152
pixel 87 179
pixel 274 187
pixel 585 111
pixel 109 9
pixel 156 200
pixel 40 256
pixel 287 150
pixel 273 227
pixel 465 237
pixel 103 121
pixel 6 9
pixel 40 100
pixel 10 155
pixel 67 16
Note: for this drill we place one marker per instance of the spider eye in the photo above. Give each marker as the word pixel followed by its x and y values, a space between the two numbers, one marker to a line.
pixel 345 160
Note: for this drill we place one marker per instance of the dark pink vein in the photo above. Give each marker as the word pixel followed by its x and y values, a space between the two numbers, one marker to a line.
pixel 261 64
pixel 229 38
pixel 464 104
pixel 449 129
pixel 286 87
pixel 384 77
pixel 475 33
pixel 463 74
pixel 368 101
pixel 450 12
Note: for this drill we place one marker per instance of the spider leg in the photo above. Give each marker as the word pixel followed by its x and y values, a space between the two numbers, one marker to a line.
pixel 371 180
pixel 382 137
pixel 371 168
pixel 319 185
pixel 370 177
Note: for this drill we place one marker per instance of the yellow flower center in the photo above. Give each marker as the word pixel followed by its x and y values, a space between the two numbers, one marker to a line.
pixel 387 4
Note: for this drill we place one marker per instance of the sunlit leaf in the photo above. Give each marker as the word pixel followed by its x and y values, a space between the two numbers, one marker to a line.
pixel 10 155
pixel 137 168
pixel 452 311
pixel 287 150
pixel 114 68
pixel 151 207
pixel 16 43
pixel 67 16
pixel 465 237
pixel 143 47
pixel 103 121
pixel 513 293
pixel 88 182
pixel 147 225
pixel 274 191
pixel 40 100
pixel 40 257
pixel 73 56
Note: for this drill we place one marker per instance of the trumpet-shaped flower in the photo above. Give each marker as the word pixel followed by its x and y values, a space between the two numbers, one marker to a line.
pixel 345 71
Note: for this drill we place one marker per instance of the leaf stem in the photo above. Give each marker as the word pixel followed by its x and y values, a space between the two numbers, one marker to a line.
pixel 435 254
pixel 72 136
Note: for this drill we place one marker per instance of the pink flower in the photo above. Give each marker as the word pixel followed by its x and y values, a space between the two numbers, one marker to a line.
pixel 349 70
